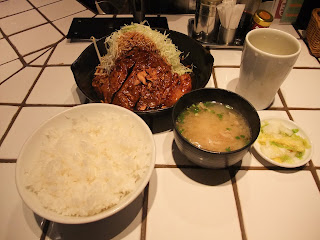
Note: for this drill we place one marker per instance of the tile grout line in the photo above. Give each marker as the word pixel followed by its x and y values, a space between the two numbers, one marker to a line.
pixel 23 67
pixel 40 105
pixel 33 8
pixel 21 56
pixel 313 171
pixel 53 65
pixel 294 108
pixel 244 168
pixel 13 47
pixel 69 15
pixel 311 167
pixel 46 51
pixel 48 21
pixel 8 160
pixel 72 105
pixel 234 183
pixel 21 105
pixel 10 125
pixel 10 61
pixel 226 66
pixel 174 166
pixel 284 103
pixel 304 39
pixel 45 17
pixel 49 47
pixel 215 82
pixel 232 174
pixel 14 14
pixel 51 22
pixel 307 68
pixel 27 29
pixel 146 191
pixel 144 217
pixel 238 66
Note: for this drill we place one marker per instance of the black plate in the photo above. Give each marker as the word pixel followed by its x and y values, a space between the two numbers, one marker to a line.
pixel 202 61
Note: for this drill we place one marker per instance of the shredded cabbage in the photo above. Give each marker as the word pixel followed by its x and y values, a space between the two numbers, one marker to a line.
pixel 166 48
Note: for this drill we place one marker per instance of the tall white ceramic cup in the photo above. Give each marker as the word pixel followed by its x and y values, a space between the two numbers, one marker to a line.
pixel 267 58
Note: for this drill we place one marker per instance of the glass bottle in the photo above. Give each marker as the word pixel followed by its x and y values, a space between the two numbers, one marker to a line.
pixel 251 6
pixel 261 19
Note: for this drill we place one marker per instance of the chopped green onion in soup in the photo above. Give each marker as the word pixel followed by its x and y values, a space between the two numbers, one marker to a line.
pixel 214 126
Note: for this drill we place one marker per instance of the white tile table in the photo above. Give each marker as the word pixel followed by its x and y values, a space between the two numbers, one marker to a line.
pixel 255 200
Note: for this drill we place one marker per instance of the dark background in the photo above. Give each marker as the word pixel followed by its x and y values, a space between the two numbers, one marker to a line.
pixel 183 7
pixel 152 6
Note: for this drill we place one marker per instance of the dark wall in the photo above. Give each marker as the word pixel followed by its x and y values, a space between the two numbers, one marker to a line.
pixel 305 13
pixel 152 6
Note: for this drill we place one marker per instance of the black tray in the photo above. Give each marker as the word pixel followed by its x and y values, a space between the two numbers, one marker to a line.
pixel 84 28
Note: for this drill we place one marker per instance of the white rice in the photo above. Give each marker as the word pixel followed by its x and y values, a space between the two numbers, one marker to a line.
pixel 90 165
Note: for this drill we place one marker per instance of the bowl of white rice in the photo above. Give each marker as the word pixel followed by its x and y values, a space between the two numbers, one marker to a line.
pixel 85 164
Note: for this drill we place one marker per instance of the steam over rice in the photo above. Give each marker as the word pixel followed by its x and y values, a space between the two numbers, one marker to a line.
pixel 90 165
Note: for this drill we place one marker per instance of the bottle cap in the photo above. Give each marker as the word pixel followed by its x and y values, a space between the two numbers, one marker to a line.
pixel 263 18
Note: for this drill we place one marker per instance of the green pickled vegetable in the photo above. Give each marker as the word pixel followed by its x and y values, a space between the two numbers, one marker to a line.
pixel 281 143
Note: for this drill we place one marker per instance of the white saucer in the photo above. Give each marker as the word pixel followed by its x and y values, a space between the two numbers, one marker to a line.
pixel 291 125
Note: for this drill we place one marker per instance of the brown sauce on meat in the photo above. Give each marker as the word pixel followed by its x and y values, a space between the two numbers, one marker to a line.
pixel 141 80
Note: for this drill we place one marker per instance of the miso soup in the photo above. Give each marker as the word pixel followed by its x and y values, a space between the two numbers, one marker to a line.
pixel 214 126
